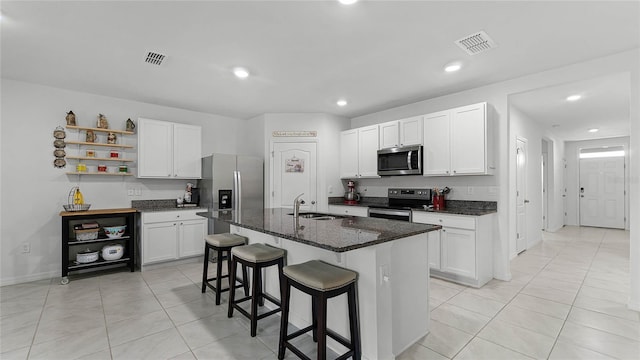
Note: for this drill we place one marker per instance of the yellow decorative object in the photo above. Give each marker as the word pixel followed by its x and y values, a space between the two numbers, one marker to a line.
pixel 78 199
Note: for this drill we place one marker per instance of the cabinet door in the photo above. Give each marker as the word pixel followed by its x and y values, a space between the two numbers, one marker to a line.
pixel 436 149
pixel 349 154
pixel 159 242
pixel 368 151
pixel 459 251
pixel 468 140
pixel 410 131
pixel 389 135
pixel 191 237
pixel 349 210
pixel 187 150
pixel 434 249
pixel 155 149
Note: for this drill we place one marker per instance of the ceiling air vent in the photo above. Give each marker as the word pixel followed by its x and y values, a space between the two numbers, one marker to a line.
pixel 476 43
pixel 154 58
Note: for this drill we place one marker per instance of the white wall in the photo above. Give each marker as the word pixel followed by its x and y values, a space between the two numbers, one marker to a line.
pixel 328 140
pixel 556 184
pixel 526 128
pixel 573 174
pixel 497 96
pixel 33 191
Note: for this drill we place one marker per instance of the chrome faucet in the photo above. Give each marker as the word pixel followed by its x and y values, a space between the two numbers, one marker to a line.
pixel 296 206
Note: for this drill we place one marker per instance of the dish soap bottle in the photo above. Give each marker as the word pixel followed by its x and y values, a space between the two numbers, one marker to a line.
pixel 78 199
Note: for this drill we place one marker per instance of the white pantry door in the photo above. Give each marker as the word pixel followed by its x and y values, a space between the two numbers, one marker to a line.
pixel 293 172
pixel 602 192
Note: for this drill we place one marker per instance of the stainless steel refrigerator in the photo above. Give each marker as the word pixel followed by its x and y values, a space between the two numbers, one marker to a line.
pixel 231 182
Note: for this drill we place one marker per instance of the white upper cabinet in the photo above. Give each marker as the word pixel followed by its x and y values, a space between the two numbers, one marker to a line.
pixel 402 132
pixel 435 152
pixel 457 142
pixel 359 153
pixel 389 137
pixel 168 150
pixel 187 151
pixel 368 152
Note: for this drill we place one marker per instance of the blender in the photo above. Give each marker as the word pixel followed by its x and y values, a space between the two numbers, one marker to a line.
pixel 351 197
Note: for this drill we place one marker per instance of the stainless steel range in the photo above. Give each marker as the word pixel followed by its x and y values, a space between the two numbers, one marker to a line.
pixel 400 203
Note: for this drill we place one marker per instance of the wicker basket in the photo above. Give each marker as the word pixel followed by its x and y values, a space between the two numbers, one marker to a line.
pixel 87 234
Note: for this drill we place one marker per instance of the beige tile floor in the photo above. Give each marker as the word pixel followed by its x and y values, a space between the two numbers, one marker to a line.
pixel 567 300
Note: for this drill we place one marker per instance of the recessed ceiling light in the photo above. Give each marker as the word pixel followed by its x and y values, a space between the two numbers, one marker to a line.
pixel 573 97
pixel 593 130
pixel 347 2
pixel 241 73
pixel 453 67
pixel 341 102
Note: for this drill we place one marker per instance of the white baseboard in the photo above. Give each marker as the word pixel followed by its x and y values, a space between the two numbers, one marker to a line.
pixel 30 278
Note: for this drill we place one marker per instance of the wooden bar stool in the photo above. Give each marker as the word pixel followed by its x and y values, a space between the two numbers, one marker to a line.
pixel 257 257
pixel 322 281
pixel 221 244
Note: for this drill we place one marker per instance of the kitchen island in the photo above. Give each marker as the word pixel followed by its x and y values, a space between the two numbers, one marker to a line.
pixel 390 257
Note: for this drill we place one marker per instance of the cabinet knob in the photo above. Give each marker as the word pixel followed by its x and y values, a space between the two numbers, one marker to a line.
pixel 440 220
pixel 181 223
pixel 174 224
pixel 454 171
pixel 447 171
pixel 444 230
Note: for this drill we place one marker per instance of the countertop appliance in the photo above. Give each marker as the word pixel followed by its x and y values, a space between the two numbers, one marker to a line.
pixel 405 160
pixel 400 203
pixel 231 182
pixel 351 197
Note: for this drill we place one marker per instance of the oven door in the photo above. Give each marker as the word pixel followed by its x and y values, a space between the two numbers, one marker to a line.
pixel 393 214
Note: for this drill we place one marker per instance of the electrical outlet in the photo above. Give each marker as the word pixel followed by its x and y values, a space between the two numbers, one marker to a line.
pixel 138 192
pixel 330 189
pixel 26 248
pixel 469 190
pixel 130 192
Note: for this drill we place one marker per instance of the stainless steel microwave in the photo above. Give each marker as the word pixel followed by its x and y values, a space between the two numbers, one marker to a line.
pixel 406 160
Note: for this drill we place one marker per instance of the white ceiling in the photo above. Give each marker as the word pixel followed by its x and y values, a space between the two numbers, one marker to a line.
pixel 604 105
pixel 304 55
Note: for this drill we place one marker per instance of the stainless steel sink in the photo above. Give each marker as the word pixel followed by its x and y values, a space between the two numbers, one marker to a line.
pixel 317 216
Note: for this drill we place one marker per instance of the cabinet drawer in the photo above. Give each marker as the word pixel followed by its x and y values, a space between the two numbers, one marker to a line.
pixel 349 210
pixel 162 216
pixel 456 221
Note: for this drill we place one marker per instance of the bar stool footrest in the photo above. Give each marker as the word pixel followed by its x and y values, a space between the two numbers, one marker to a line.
pixel 295 350
pixel 295 334
pixel 339 338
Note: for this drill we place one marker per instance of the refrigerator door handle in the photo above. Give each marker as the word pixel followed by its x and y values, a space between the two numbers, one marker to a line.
pixel 237 189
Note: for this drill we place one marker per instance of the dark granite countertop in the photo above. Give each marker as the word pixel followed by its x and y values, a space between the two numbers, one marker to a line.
pixel 456 207
pixel 160 205
pixel 342 234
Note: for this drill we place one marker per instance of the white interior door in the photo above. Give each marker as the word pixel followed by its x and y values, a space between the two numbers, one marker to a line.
pixel 602 192
pixel 521 193
pixel 294 171
pixel 545 191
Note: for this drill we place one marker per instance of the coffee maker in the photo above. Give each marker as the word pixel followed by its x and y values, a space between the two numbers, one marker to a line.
pixel 351 197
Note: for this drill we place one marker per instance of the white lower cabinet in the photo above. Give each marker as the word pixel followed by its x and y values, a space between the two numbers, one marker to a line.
pixel 361 211
pixel 463 252
pixel 171 235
